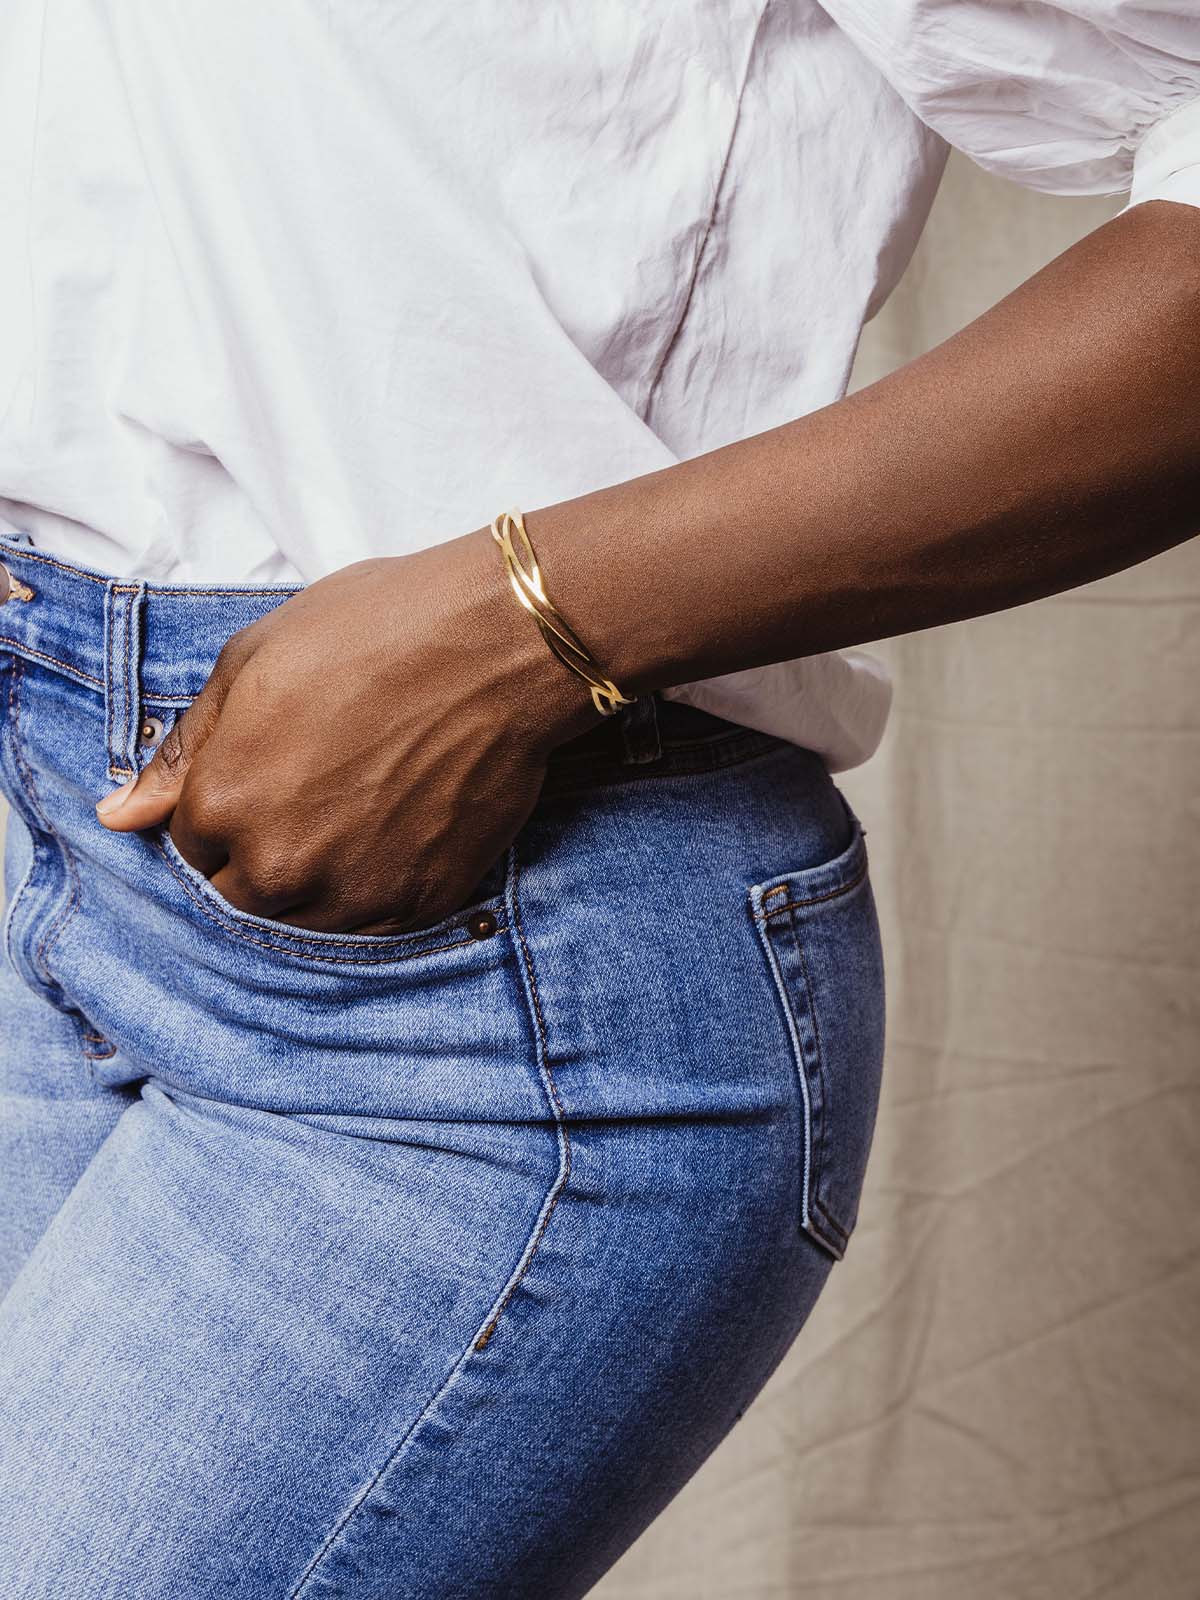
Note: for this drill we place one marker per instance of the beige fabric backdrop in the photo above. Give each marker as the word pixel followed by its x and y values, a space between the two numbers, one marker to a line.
pixel 998 1397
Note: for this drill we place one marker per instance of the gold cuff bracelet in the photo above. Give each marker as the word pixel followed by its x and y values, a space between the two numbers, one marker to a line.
pixel 526 580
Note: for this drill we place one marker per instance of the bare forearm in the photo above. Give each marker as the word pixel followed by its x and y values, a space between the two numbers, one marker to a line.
pixel 1052 441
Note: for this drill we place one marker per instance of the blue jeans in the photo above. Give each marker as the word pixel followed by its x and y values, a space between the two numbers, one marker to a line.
pixel 417 1266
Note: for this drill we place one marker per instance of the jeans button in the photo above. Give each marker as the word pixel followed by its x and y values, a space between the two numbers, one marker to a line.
pixel 482 925
pixel 150 732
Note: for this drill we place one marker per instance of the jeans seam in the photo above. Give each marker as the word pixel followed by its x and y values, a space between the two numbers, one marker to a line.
pixel 815 900
pixel 514 1278
pixel 550 1088
pixel 18 646
pixel 60 921
pixel 123 770
pixel 108 676
pixel 814 1199
pixel 27 879
pixel 798 1074
pixel 191 592
pixel 810 1204
pixel 25 554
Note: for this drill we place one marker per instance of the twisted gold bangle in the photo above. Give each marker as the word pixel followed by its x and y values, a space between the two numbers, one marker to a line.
pixel 526 581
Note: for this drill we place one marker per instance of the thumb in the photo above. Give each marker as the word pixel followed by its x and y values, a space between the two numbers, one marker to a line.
pixel 152 796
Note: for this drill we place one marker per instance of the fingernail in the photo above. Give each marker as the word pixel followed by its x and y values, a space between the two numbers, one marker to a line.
pixel 118 797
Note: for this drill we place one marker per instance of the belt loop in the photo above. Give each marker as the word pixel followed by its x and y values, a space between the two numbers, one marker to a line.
pixel 122 675
pixel 639 730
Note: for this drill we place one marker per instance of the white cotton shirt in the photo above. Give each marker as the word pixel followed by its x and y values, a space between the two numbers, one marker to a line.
pixel 286 284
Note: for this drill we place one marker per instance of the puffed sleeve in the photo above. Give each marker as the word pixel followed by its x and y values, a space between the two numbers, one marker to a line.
pixel 1075 97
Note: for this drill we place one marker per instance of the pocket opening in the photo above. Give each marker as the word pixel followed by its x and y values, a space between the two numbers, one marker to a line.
pixel 310 944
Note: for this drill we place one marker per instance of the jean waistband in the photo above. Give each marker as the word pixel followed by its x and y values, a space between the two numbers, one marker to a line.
pixel 95 628
pixel 150 647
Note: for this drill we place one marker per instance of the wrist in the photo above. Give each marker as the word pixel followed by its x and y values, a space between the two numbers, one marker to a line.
pixel 599 554
pixel 537 692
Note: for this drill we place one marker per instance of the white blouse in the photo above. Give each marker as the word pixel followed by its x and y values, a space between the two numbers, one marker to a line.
pixel 287 284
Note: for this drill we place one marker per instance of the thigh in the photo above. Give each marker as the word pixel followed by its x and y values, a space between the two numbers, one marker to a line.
pixel 230 1326
pixel 250 1358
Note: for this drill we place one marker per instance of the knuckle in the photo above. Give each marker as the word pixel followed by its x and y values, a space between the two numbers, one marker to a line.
pixel 203 816
pixel 240 646
pixel 269 878
pixel 171 754
pixel 230 656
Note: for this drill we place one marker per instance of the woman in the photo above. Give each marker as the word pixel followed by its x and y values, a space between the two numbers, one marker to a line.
pixel 439 1072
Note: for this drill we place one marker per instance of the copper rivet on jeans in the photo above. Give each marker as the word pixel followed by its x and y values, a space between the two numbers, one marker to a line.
pixel 14 589
pixel 150 732
pixel 482 925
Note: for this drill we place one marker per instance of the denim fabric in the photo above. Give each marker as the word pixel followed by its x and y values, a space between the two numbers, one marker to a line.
pixel 413 1266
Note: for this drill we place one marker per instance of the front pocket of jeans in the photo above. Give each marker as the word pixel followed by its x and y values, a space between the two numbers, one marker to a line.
pixel 820 938
pixel 287 940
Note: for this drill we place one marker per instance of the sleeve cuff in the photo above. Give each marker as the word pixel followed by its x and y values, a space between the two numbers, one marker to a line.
pixel 1167 163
